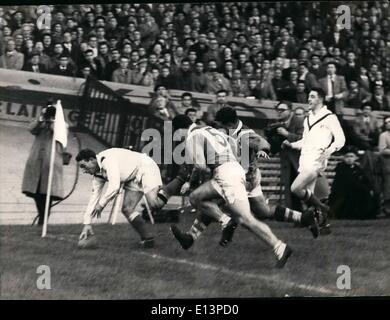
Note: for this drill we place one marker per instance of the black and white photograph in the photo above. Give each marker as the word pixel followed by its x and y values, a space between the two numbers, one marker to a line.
pixel 203 150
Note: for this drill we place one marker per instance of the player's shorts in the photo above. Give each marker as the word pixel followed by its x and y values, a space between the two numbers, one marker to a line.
pixel 229 181
pixel 312 162
pixel 148 177
pixel 253 184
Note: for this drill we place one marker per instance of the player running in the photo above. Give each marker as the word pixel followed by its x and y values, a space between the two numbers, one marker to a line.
pixel 136 172
pixel 248 147
pixel 208 149
pixel 322 136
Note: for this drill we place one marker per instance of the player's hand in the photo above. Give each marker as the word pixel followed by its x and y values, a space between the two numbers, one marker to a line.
pixel 87 231
pixel 97 211
pixel 262 154
pixel 286 144
pixel 282 131
pixel 185 188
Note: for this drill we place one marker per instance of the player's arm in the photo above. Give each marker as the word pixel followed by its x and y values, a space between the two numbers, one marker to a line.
pixel 338 135
pixel 114 180
pixel 195 153
pixel 97 188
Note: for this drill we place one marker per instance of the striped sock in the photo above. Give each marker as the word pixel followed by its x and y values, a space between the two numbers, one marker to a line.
pixel 197 229
pixel 287 214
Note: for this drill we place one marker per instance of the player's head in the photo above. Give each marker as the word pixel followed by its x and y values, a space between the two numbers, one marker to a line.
pixel 316 98
pixel 227 118
pixel 181 121
pixel 350 155
pixel 86 159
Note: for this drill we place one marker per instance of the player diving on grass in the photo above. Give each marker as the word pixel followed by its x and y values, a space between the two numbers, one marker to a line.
pixel 321 137
pixel 137 173
pixel 248 147
pixel 209 150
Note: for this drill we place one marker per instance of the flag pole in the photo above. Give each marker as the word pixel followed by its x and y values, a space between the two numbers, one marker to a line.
pixel 50 180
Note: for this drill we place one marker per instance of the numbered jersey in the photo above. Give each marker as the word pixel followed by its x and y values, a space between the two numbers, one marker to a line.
pixel 208 146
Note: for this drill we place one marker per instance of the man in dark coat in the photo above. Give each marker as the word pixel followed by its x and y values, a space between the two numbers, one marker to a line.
pixel 352 195
pixel 36 173
pixel 289 127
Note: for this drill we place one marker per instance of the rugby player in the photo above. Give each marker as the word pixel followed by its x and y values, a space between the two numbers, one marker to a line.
pixel 248 148
pixel 208 149
pixel 322 136
pixel 136 172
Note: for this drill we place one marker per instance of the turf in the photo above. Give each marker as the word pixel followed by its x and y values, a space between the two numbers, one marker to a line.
pixel 120 269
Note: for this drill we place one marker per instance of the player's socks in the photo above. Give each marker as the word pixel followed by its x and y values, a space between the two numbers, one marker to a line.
pixel 310 198
pixel 287 214
pixel 140 226
pixel 200 225
pixel 282 252
pixel 224 220
pixel 197 228
pixel 279 249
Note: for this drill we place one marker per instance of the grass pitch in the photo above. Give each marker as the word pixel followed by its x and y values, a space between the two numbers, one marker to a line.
pixel 120 269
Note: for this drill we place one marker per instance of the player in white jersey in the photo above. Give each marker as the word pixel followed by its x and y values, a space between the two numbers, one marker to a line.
pixel 248 147
pixel 207 149
pixel 137 173
pixel 322 136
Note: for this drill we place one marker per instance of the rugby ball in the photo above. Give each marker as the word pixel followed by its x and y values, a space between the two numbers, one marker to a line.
pixel 88 243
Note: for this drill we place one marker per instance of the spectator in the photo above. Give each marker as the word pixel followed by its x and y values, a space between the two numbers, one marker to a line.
pixel 64 68
pixel 34 65
pixel 217 82
pixel 352 195
pixel 300 93
pixel 279 85
pixel 221 102
pixel 161 106
pixel 183 77
pixel 366 129
pixel 165 78
pixel 288 127
pixel 379 100
pixel 188 101
pixel 335 89
pixel 305 75
pixel 316 67
pixel 122 74
pixel 140 76
pixel 238 85
pixel 11 59
pixel 384 150
pixel 35 177
pixel 192 114
pixel 199 79
pixel 94 64
pixel 356 96
pixel 253 90
pixel 112 65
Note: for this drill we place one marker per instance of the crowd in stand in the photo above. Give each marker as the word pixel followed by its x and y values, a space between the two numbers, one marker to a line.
pixel 259 50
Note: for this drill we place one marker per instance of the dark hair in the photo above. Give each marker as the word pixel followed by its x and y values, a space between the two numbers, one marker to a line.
pixel 189 110
pixel 384 123
pixel 222 91
pixel 85 154
pixel 287 103
pixel 226 115
pixel 186 94
pixel 320 92
pixel 350 149
pixel 367 104
pixel 159 86
pixel 87 51
pixel 181 121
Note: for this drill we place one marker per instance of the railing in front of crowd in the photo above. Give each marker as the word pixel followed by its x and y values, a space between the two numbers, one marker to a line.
pixel 115 121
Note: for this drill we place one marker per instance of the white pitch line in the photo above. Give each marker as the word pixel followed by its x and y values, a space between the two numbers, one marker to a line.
pixel 205 266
